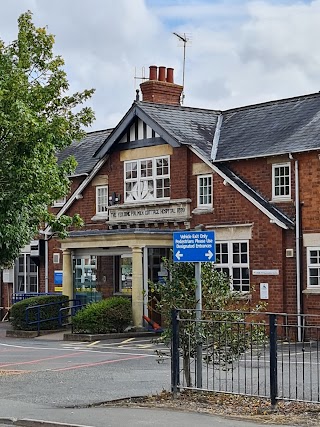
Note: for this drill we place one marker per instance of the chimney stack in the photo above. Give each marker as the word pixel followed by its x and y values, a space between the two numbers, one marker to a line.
pixel 160 88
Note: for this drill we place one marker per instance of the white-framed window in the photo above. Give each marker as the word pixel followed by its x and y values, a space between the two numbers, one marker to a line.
pixel 313 263
pixel 147 179
pixel 102 199
pixel 281 181
pixel 26 274
pixel 204 190
pixel 56 258
pixel 232 258
pixel 60 202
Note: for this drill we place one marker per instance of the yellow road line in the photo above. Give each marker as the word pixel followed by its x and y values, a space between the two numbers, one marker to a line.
pixel 126 341
pixel 93 343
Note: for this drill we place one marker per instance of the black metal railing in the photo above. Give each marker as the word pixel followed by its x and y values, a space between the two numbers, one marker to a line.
pixel 271 355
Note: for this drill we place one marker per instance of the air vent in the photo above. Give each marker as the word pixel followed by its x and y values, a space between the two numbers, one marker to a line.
pixel 289 253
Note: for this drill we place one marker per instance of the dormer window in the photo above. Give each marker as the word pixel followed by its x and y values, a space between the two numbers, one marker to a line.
pixel 147 179
pixel 281 181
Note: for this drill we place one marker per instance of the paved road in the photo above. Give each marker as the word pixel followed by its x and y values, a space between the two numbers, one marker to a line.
pixel 65 374
pixel 56 380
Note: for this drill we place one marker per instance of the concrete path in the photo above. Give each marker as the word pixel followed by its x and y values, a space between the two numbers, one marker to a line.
pixel 118 416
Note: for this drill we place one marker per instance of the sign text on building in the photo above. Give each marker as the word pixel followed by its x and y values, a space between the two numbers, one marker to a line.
pixel 148 213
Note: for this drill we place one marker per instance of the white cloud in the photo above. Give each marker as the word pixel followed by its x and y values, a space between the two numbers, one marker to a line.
pixel 241 51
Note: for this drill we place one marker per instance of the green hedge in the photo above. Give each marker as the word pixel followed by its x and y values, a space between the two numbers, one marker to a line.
pixel 18 312
pixel 110 315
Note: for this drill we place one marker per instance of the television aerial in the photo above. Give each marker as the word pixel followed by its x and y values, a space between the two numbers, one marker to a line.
pixel 184 39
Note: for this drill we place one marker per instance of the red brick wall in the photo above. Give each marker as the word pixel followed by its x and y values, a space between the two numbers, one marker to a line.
pixel 105 276
pixel 267 246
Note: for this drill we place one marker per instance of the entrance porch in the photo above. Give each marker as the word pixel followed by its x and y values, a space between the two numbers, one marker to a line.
pixel 100 263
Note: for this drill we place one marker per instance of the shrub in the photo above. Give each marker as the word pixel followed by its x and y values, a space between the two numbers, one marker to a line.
pixel 110 315
pixel 18 312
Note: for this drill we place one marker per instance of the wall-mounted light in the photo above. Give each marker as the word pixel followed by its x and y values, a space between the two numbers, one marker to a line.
pixel 114 199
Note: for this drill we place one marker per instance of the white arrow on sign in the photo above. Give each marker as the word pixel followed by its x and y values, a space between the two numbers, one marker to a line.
pixel 179 255
pixel 209 254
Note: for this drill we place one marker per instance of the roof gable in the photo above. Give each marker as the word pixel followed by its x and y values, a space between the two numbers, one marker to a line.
pixel 176 125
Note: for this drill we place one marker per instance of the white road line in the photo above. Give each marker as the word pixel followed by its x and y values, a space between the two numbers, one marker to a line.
pixel 84 350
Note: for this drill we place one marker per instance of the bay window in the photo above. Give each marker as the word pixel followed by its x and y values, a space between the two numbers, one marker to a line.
pixel 147 179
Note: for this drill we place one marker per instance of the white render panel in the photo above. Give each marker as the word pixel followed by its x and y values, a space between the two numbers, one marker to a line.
pixel 233 233
pixel 140 129
pixel 149 132
pixel 311 239
pixel 132 133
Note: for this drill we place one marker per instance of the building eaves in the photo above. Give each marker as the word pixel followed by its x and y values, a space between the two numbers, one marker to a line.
pixel 126 231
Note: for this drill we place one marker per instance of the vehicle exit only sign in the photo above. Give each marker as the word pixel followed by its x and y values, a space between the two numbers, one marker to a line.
pixel 194 246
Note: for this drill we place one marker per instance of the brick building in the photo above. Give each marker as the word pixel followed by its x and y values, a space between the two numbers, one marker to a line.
pixel 251 174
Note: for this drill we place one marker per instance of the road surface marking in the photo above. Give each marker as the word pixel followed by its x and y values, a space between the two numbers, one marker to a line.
pixel 39 360
pixel 93 343
pixel 87 365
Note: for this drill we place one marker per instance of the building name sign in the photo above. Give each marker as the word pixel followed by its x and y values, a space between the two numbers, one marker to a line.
pixel 172 212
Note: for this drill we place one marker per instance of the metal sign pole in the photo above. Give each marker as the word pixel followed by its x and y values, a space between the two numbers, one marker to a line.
pixel 198 323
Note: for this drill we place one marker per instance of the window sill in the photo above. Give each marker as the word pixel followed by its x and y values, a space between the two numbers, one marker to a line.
pixel 281 200
pixel 311 291
pixel 202 210
pixel 242 296
pixel 100 217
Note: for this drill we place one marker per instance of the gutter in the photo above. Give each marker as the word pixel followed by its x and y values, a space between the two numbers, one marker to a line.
pixel 298 253
pixel 78 174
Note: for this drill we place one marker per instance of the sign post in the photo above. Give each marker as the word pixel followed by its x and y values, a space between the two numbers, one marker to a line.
pixel 197 247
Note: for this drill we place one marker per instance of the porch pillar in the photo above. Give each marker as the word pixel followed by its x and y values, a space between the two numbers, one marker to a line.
pixel 137 286
pixel 67 283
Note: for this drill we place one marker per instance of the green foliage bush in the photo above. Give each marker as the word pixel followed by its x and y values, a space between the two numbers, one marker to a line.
pixel 18 312
pixel 110 315
pixel 230 322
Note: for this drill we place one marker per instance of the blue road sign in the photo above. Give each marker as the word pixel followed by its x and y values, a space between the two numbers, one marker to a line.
pixel 194 246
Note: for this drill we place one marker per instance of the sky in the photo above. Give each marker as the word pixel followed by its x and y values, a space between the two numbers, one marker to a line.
pixel 239 52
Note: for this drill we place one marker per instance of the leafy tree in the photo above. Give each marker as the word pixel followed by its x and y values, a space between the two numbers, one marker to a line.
pixel 226 329
pixel 37 120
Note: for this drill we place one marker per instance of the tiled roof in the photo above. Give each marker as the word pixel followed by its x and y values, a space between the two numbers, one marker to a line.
pixel 191 126
pixel 284 126
pixel 84 150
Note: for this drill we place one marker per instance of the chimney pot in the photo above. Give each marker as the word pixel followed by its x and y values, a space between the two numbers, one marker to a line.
pixel 170 75
pixel 153 72
pixel 162 74
pixel 160 88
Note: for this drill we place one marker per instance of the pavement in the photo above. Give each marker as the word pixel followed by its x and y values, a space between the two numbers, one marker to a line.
pixel 38 414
